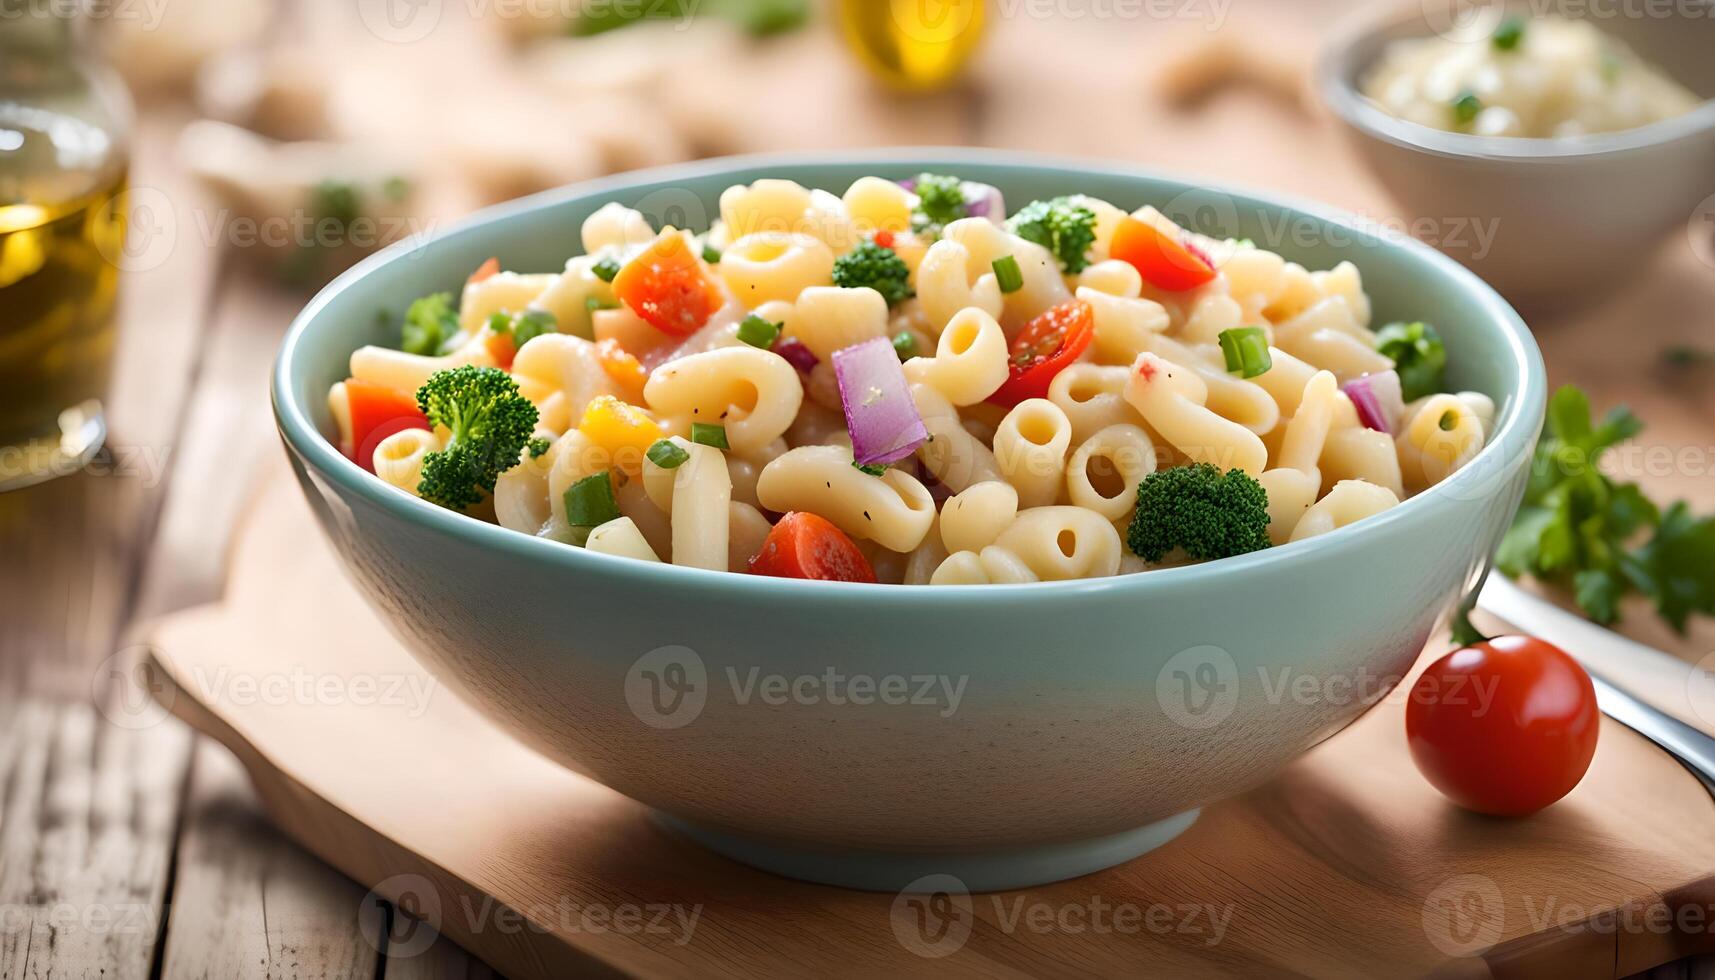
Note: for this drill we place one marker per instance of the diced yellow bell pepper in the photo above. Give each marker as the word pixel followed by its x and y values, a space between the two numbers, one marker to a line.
pixel 624 430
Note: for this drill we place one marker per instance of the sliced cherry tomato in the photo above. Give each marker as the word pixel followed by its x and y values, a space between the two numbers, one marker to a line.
pixel 377 412
pixel 805 545
pixel 484 270
pixel 1162 260
pixel 1046 346
pixel 665 286
pixel 622 369
pixel 1505 726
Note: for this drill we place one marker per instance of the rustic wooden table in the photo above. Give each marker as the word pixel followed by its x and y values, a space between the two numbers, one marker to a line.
pixel 131 851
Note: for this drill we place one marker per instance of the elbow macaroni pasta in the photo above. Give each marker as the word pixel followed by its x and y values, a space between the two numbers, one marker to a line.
pixel 1037 443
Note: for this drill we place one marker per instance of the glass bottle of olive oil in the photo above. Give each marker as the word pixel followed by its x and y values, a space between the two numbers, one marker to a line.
pixel 64 122
pixel 916 45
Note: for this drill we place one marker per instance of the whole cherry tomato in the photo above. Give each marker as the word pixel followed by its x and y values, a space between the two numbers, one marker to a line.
pixel 1505 726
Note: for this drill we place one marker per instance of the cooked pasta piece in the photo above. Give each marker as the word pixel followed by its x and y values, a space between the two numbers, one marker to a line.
pixel 970 360
pixel 955 456
pixel 972 519
pixel 1058 543
pixel 1030 448
pixel 701 511
pixel 1348 502
pixel 753 393
pixel 945 285
pixel 398 458
pixel 775 265
pixel 1171 399
pixel 1093 398
pixel 621 537
pixel 1290 494
pixel 830 318
pixel 1106 468
pixel 1442 436
pixel 893 510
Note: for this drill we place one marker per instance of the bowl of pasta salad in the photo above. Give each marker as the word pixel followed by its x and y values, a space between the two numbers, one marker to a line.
pixel 933 512
pixel 1548 146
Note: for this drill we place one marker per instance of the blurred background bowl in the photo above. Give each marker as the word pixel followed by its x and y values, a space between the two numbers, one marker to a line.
pixel 1093 717
pixel 1572 216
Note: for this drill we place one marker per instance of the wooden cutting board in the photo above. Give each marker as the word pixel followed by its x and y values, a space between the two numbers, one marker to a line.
pixel 1347 864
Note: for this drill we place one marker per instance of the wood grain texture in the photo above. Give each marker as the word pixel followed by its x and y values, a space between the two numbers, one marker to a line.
pixel 87 825
pixel 428 802
pixel 248 903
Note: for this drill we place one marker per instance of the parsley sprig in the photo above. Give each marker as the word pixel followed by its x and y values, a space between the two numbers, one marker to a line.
pixel 1580 528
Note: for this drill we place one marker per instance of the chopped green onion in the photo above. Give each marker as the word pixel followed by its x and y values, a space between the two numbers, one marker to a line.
pixel 704 434
pixel 758 332
pixel 593 303
pixel 537 447
pixel 1246 351
pixel 873 469
pixel 606 269
pixel 905 345
pixel 1466 107
pixel 667 454
pixel 711 255
pixel 1509 34
pixel 1008 275
pixel 589 502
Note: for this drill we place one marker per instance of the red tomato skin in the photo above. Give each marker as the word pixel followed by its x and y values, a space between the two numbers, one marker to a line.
pixel 1077 320
pixel 1503 727
pixel 1162 261
pixel 806 545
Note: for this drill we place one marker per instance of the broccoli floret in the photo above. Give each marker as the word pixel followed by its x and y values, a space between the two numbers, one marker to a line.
pixel 522 327
pixel 490 423
pixel 1208 513
pixel 940 201
pixel 879 268
pixel 429 322
pixel 1062 226
pixel 1418 356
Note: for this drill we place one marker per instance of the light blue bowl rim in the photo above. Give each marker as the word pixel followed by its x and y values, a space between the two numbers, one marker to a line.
pixel 1337 80
pixel 1514 435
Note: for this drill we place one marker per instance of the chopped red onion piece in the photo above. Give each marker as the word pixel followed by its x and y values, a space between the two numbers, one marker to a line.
pixel 880 413
pixel 909 183
pixel 983 201
pixel 1379 400
pixel 796 354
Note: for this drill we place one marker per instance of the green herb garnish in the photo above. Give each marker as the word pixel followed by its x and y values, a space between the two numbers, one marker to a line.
pixel 667 454
pixel 1007 274
pixel 705 434
pixel 758 332
pixel 589 501
pixel 1246 351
